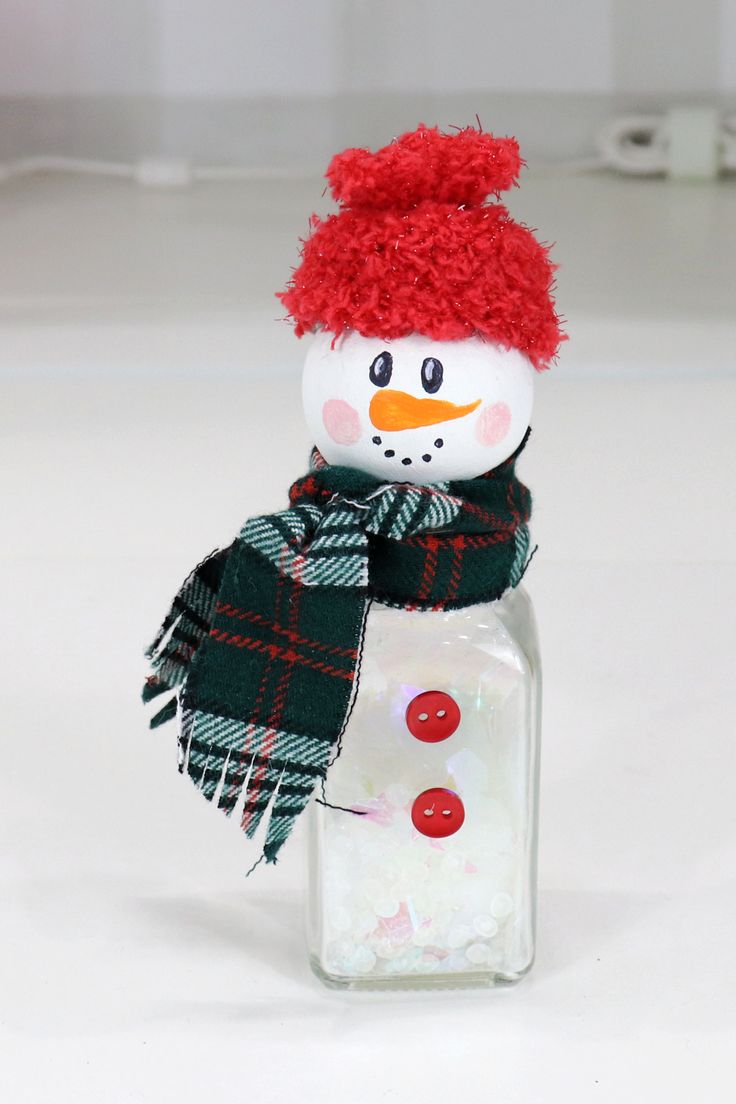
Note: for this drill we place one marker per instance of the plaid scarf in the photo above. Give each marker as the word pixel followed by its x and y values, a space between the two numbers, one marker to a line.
pixel 262 641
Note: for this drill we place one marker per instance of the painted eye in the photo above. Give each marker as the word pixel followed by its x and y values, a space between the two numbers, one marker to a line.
pixel 381 369
pixel 432 373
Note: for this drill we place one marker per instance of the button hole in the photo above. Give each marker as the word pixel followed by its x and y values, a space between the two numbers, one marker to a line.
pixel 441 712
pixel 429 812
pixel 447 812
pixel 424 716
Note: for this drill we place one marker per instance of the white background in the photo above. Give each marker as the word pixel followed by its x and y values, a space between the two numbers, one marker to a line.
pixel 244 48
pixel 285 83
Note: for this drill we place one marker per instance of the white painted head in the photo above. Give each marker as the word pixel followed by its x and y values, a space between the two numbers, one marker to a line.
pixel 413 410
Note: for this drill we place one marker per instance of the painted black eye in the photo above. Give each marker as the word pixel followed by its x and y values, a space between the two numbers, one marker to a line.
pixel 432 373
pixel 381 369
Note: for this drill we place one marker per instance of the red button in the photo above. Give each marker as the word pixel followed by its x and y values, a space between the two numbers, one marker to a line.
pixel 438 813
pixel 432 716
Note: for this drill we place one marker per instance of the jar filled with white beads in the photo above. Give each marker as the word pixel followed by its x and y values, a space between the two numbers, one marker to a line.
pixel 434 316
pixel 422 859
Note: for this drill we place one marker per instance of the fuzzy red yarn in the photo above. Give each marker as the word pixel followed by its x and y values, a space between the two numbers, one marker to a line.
pixel 415 249
pixel 460 168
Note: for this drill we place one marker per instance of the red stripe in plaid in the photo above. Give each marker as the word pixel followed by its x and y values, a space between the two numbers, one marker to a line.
pixel 307 487
pixel 276 652
pixel 458 548
pixel 471 541
pixel 491 521
pixel 237 781
pixel 512 505
pixel 267 740
pixel 274 719
pixel 294 637
pixel 430 569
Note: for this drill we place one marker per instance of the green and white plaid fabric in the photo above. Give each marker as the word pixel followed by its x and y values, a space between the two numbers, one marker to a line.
pixel 329 547
pixel 262 641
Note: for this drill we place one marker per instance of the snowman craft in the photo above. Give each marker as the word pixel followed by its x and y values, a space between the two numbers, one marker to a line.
pixel 368 650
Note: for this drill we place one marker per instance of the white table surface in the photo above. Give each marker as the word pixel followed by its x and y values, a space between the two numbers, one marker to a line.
pixel 138 965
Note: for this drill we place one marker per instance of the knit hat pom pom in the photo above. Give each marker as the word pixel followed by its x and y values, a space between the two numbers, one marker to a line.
pixel 462 168
pixel 416 248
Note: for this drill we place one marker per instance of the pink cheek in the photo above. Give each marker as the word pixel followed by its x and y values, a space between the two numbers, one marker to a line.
pixel 341 421
pixel 493 424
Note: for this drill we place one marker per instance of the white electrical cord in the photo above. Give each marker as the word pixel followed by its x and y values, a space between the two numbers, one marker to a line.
pixel 686 142
pixel 692 143
pixel 150 172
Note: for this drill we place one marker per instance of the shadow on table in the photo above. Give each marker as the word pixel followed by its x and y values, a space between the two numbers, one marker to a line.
pixel 266 930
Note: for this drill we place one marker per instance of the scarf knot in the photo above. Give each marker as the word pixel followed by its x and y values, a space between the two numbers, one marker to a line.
pixel 328 545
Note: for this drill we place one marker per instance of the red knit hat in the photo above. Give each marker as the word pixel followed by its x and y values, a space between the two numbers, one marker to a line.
pixel 416 249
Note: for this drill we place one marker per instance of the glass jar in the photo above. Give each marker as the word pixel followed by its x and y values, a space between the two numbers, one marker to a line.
pixel 423 856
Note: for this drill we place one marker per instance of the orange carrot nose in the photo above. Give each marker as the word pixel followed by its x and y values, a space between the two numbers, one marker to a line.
pixel 399 410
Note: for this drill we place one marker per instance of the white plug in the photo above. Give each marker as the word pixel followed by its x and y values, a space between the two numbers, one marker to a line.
pixel 688 143
pixel 693 143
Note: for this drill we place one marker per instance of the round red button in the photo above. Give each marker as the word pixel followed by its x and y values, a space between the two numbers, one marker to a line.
pixel 438 813
pixel 432 716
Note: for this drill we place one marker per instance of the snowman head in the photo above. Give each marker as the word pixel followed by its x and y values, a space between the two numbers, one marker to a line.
pixel 414 410
pixel 432 309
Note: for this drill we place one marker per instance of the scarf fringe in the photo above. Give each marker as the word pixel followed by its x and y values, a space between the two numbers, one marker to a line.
pixel 182 631
pixel 230 763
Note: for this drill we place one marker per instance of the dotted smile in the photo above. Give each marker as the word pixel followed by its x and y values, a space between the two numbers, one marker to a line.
pixel 390 453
